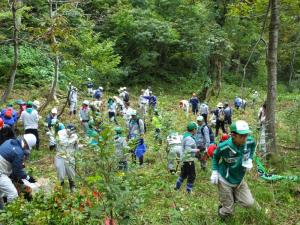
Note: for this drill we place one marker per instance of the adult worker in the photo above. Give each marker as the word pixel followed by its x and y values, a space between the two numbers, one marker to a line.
pixel 136 132
pixel 30 120
pixel 121 148
pixel 202 140
pixel 194 101
pixel 228 113
pixel 72 100
pixel 220 118
pixel 12 154
pixel 189 149
pixel 231 160
pixel 6 132
pixel 204 110
pixel 50 117
pixel 84 115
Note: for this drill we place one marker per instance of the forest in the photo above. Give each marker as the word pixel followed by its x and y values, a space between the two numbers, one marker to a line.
pixel 176 51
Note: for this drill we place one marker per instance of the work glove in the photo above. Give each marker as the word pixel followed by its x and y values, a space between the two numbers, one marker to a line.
pixel 214 178
pixel 30 179
pixel 248 164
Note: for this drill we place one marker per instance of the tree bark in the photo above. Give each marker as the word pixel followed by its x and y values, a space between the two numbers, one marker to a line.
pixel 218 64
pixel 14 8
pixel 272 76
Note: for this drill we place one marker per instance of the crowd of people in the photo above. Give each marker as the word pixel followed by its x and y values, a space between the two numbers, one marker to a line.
pixel 231 157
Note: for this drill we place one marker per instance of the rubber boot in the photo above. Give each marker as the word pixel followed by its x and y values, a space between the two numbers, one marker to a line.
pixel 178 183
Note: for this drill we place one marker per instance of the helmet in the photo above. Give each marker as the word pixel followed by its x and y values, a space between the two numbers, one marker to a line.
pixel 89 79
pixel 224 137
pixel 71 128
pixel 240 127
pixel 86 102
pixel 1 123
pixel 101 88
pixel 133 112
pixel 211 149
pixel 191 126
pixel 30 140
pixel 54 111
pixel 36 103
pixel 118 130
pixel 200 118
pixel 29 103
pixel 220 105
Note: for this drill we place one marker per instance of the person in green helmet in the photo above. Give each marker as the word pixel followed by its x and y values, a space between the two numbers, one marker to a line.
pixel 189 149
pixel 121 149
pixel 231 160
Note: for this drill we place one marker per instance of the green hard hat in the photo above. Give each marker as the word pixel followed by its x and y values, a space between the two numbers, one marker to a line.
pixel 29 103
pixel 118 130
pixel 240 127
pixel 191 126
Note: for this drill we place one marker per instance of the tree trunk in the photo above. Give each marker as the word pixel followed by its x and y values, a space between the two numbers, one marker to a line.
pixel 218 64
pixel 16 52
pixel 272 76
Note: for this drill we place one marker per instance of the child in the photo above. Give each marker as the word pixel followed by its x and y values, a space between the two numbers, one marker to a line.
pixel 121 147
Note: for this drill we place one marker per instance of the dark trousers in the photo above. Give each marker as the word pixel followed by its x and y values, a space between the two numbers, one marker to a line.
pixel 141 159
pixel 205 117
pixel 36 134
pixel 187 171
pixel 113 115
pixel 220 124
pixel 195 110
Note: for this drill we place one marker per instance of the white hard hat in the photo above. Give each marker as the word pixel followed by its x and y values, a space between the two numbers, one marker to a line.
pixel 200 118
pixel 220 105
pixel 30 140
pixel 101 88
pixel 124 88
pixel 54 110
pixel 89 78
pixel 133 112
pixel 86 102
pixel 36 103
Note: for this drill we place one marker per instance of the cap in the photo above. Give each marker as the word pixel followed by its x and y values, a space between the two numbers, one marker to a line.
pixel 220 105
pixel 200 118
pixel 240 127
pixel 191 126
pixel 133 112
pixel 54 111
pixel 86 102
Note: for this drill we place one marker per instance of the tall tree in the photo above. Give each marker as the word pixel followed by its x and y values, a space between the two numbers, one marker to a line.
pixel 15 6
pixel 272 75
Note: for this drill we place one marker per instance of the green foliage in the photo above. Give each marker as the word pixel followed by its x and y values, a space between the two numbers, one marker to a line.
pixel 35 67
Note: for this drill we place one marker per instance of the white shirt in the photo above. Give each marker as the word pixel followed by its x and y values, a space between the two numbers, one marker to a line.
pixel 30 120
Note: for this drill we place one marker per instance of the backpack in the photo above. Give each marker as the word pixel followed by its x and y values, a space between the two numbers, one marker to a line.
pixel 126 97
pixel 221 114
pixel 8 113
pixel 138 122
pixel 211 133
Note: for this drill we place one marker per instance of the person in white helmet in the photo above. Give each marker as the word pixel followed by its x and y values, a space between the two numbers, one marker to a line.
pixel 12 154
pixel 85 116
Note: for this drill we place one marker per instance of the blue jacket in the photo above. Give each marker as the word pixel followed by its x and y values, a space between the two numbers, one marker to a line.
pixel 9 121
pixel 11 158
pixel 152 100
pixel 194 102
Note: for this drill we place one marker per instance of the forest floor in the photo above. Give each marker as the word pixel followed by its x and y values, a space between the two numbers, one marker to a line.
pixel 160 204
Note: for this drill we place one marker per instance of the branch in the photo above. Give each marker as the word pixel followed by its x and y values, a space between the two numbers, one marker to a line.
pixel 254 47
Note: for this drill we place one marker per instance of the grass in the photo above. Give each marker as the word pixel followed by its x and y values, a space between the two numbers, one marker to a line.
pixel 158 202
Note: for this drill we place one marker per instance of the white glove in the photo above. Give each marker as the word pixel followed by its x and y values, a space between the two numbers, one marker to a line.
pixel 214 178
pixel 248 164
